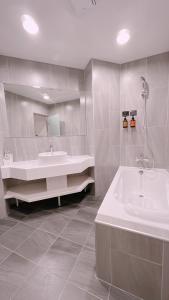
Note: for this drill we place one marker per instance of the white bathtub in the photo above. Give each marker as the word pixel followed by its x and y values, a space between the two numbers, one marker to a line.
pixel 138 202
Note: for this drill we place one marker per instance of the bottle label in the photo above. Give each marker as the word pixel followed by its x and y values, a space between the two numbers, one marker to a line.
pixel 132 123
pixel 125 124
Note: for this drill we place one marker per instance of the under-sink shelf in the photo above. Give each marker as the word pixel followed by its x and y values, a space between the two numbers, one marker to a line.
pixel 35 191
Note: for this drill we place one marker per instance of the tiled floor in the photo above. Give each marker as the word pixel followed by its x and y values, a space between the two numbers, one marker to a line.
pixel 50 254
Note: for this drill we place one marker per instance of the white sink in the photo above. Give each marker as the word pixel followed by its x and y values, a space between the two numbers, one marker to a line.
pixel 52 157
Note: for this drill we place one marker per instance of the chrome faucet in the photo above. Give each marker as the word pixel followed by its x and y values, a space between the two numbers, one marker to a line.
pixel 51 148
pixel 141 161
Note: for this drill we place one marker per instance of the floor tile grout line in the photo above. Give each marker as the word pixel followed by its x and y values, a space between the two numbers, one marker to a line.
pixel 22 241
pixel 35 229
pixel 90 293
pixel 27 259
pixel 89 235
pixel 59 212
pixel 24 281
pixel 9 229
pixel 41 229
pixel 67 279
pixel 70 218
pixel 48 272
pixel 74 217
pixel 59 235
pixel 84 247
pixel 67 239
pixel 80 288
pixel 39 265
pixel 5 258
pixel 20 245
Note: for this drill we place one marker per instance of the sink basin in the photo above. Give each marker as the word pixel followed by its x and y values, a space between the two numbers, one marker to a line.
pixel 52 157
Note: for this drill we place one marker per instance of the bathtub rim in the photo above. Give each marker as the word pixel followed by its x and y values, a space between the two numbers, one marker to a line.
pixel 132 224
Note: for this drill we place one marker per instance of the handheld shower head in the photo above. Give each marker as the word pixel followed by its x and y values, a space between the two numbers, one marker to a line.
pixel 145 91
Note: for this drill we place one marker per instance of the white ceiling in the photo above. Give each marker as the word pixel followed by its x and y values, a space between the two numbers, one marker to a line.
pixel 71 37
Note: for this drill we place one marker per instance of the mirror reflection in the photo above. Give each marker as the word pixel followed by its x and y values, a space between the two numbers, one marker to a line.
pixel 42 112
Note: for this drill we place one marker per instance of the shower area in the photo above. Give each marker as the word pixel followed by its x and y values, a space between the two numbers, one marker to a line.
pixel 144 87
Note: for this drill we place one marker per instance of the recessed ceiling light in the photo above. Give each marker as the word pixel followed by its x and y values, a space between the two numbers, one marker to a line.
pixel 36 86
pixel 123 36
pixel 29 24
pixel 46 97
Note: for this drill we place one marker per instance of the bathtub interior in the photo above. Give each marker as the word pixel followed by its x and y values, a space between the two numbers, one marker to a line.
pixel 149 190
pixel 144 194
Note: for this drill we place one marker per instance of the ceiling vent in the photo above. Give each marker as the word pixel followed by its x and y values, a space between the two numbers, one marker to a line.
pixel 82 6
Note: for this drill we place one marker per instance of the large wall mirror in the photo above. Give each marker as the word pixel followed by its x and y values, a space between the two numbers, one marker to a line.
pixel 42 112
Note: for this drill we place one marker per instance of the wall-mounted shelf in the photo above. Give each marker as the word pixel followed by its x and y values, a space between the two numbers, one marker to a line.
pixel 35 191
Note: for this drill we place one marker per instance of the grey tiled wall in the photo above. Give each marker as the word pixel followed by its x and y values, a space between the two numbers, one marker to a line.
pixel 156 71
pixel 3 131
pixel 103 134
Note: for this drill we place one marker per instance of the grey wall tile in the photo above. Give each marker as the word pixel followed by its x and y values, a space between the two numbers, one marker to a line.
pixel 165 275
pixel 156 71
pixel 117 294
pixel 137 244
pixel 103 127
pixel 136 276
pixel 4 74
pixel 103 252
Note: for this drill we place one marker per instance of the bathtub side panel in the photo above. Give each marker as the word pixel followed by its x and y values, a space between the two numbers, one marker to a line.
pixel 165 277
pixel 130 261
pixel 137 244
pixel 103 252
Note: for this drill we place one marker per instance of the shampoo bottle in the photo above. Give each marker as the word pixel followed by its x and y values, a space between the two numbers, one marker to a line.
pixel 132 122
pixel 125 123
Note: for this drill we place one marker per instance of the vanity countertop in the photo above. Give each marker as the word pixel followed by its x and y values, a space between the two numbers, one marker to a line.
pixel 35 169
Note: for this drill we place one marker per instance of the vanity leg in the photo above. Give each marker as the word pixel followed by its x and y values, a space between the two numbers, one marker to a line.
pixel 59 201
pixel 17 203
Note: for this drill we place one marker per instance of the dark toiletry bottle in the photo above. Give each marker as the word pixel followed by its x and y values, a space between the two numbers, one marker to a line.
pixel 125 123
